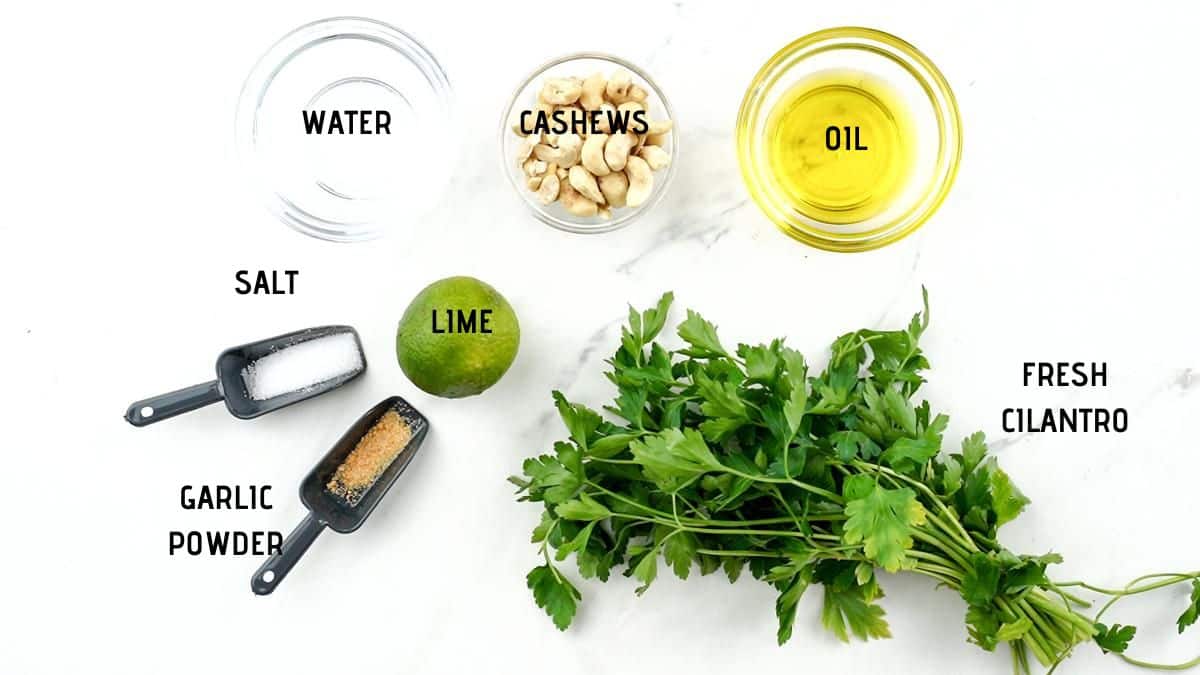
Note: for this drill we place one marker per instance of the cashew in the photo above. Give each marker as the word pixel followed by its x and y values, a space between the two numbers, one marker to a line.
pixel 606 110
pixel 575 203
pixel 569 145
pixel 585 184
pixel 525 149
pixel 592 155
pixel 616 150
pixel 561 91
pixel 605 213
pixel 631 106
pixel 638 94
pixel 618 86
pixel 658 127
pixel 613 187
pixel 656 139
pixel 548 190
pixel 533 183
pixel 655 156
pixel 534 167
pixel 641 181
pixel 565 155
pixel 592 95
pixel 560 172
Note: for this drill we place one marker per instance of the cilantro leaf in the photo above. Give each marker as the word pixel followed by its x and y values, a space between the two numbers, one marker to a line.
pixel 720 398
pixel 679 549
pixel 646 571
pixel 1114 638
pixel 982 626
pixel 585 508
pixel 702 336
pixel 974 449
pixel 673 457
pixel 581 421
pixel 1007 500
pixel 654 319
pixel 882 521
pixel 849 611
pixel 785 605
pixel 763 364
pixel 981 581
pixel 1192 613
pixel 553 593
pixel 550 479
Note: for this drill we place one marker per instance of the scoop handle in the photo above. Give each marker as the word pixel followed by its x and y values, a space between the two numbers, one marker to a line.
pixel 272 572
pixel 173 403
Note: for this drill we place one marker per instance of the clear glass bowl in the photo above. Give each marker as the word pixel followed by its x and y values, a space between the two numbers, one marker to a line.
pixel 347 186
pixel 581 65
pixel 923 90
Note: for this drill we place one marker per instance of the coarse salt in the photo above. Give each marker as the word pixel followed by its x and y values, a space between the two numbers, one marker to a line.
pixel 302 366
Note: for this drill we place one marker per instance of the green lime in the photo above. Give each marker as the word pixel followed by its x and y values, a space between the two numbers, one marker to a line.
pixel 457 337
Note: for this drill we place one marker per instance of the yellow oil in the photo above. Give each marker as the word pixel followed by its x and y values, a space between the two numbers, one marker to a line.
pixel 841 145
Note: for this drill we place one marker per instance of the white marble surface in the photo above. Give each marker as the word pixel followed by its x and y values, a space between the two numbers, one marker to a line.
pixel 1071 234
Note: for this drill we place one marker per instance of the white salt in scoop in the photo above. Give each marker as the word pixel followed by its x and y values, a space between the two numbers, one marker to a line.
pixel 301 366
pixel 263 376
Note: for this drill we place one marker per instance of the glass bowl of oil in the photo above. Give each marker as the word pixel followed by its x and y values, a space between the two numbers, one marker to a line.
pixel 583 64
pixel 849 139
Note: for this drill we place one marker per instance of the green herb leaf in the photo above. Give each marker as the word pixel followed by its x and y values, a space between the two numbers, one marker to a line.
pixel 1114 638
pixel 673 457
pixel 580 420
pixel 646 571
pixel 679 549
pixel 1192 612
pixel 553 593
pixel 702 336
pixel 981 581
pixel 882 521
pixel 585 508
pixel 785 605
pixel 848 611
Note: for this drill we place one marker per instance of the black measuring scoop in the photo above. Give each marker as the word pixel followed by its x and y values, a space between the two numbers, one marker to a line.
pixel 326 509
pixel 230 387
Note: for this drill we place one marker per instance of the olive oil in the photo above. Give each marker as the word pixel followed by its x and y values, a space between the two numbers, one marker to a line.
pixel 841 145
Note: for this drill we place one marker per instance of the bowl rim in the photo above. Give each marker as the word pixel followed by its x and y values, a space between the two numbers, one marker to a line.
pixel 261 76
pixel 917 65
pixel 616 223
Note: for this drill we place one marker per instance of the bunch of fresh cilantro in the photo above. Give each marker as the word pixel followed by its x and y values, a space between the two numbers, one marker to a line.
pixel 741 460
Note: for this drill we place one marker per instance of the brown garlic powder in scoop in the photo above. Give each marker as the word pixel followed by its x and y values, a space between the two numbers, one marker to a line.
pixel 373 454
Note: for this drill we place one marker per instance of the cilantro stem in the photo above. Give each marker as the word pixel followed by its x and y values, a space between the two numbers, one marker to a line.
pixel 1160 666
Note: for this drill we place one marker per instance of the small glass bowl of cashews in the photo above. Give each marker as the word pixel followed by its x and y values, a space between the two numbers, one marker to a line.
pixel 589 142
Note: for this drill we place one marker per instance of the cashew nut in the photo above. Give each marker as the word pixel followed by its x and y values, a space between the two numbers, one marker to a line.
pixel 585 184
pixel 605 213
pixel 561 91
pixel 616 150
pixel 534 167
pixel 613 187
pixel 655 156
pixel 548 190
pixel 592 95
pixel 631 106
pixel 525 149
pixel 656 139
pixel 641 181
pixel 618 86
pixel 533 183
pixel 592 155
pixel 607 111
pixel 565 155
pixel 659 127
pixel 638 94
pixel 575 203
